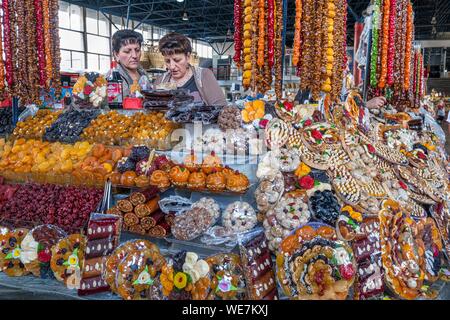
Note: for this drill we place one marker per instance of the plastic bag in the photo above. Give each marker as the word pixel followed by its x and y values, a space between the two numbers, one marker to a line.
pixel 138 275
pixel 186 277
pixel 67 260
pixel 228 281
pixel 258 266
pixel 103 234
pixel 269 192
pixel 30 111
pixel 11 252
pixel 36 249
pixel 112 262
pixel 174 204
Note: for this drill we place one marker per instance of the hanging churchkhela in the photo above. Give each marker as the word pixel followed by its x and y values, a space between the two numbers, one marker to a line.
pixel 319 50
pixel 31 63
pixel 392 62
pixel 257 41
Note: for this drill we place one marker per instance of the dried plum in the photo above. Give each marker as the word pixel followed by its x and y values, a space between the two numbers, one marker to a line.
pixel 325 206
pixel 139 153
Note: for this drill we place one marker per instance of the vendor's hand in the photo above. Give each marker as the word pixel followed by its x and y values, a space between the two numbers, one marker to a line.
pixel 376 103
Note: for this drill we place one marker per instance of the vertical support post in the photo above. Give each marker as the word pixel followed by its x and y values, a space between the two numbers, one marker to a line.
pixel 128 12
pixel 15 110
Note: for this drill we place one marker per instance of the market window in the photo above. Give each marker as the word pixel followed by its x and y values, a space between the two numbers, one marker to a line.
pixel 66 60
pixel 72 40
pixel 91 21
pixel 118 23
pixel 78 60
pixel 97 44
pixel 76 18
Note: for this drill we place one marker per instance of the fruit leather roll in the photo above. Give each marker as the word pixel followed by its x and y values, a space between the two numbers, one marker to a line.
pixel 257 268
pixel 102 226
pixel 93 267
pixel 363 249
pixel 144 196
pixel 262 287
pixel 92 285
pixel 273 295
pixel 160 231
pixel 368 267
pixel 98 248
pixel 146 209
pixel 255 247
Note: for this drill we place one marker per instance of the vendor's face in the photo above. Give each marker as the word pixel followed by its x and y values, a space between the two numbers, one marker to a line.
pixel 129 56
pixel 177 64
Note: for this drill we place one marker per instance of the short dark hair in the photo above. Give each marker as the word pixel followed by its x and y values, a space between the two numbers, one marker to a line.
pixel 174 43
pixel 125 37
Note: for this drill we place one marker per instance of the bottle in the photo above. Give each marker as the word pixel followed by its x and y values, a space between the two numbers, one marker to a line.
pixel 115 87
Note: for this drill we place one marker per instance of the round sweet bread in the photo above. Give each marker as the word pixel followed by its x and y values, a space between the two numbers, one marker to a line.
pixel 11 253
pixel 67 259
pixel 138 275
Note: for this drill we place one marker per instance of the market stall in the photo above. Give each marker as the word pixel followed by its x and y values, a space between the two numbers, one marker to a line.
pixel 270 200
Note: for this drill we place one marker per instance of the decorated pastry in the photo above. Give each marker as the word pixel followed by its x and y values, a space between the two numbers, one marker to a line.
pixel 216 181
pixel 228 281
pixel 237 182
pixel 160 179
pixel 312 266
pixel 179 176
pixel 36 248
pixel 197 180
pixel 138 275
pixel 11 253
pixel 239 217
pixel 211 163
pixel 401 261
pixel 119 254
pixel 188 278
pixel 67 260
pixel 191 162
pixel 277 133
pixel 288 160
pixel 429 241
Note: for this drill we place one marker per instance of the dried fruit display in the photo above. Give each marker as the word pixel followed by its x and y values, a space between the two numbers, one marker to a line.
pixel 34 127
pixel 66 207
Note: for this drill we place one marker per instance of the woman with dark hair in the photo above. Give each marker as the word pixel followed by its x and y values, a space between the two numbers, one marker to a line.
pixel 200 82
pixel 126 46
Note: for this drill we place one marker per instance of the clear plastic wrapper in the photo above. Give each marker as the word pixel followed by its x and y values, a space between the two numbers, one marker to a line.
pixel 186 277
pixel 313 265
pixel 11 253
pixel 30 111
pixel 228 280
pixel 67 260
pixel 192 112
pixel 36 249
pixel 401 257
pixel 138 275
pixel 113 261
pixel 258 266
pixel 269 192
pixel 192 223
pixel 174 204
pixel 103 232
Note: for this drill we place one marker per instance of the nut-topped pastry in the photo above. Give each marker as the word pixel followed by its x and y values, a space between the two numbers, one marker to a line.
pixel 160 179
pixel 216 181
pixel 211 163
pixel 237 182
pixel 190 162
pixel 179 176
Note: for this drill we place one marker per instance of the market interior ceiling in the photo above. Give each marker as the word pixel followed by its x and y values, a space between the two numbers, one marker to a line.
pixel 212 20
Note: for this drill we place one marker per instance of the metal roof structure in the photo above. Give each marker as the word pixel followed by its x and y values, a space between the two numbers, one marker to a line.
pixel 212 20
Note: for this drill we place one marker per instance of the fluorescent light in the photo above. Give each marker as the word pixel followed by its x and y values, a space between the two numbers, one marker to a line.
pixel 180 0
pixel 185 16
